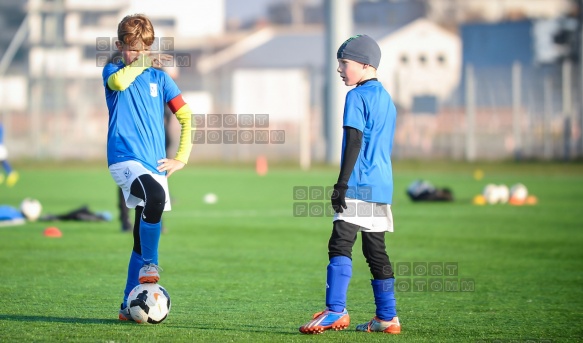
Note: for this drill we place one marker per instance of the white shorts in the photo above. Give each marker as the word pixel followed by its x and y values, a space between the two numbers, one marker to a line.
pixel 124 173
pixel 3 152
pixel 370 216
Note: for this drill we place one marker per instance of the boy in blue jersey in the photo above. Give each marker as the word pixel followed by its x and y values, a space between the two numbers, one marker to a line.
pixel 136 94
pixel 11 175
pixel 365 183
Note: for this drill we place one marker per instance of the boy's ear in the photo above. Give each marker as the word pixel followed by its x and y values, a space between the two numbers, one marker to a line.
pixel 118 45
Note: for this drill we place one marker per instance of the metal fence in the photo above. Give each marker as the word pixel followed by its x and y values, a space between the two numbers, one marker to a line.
pixel 497 113
pixel 513 112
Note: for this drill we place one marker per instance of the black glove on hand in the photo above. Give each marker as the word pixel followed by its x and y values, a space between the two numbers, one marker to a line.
pixel 338 198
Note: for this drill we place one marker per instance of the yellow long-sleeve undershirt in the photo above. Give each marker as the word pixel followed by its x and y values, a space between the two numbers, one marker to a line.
pixel 124 77
pixel 184 116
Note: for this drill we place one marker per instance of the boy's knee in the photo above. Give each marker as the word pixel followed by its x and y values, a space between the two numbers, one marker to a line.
pixel 157 196
pixel 155 203
pixel 148 189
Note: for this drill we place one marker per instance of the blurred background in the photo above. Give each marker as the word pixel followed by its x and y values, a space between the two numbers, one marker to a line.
pixel 472 79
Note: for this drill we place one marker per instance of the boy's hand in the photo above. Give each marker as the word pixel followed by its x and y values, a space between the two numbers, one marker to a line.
pixel 338 198
pixel 161 60
pixel 169 165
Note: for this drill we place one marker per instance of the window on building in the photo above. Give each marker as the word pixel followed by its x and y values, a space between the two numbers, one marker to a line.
pixel 426 104
pixel 166 22
pixel 404 59
pixel 90 52
pixel 441 60
pixel 89 19
pixel 96 18
pixel 422 59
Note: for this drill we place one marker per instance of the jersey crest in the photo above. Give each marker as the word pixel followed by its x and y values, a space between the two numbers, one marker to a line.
pixel 154 89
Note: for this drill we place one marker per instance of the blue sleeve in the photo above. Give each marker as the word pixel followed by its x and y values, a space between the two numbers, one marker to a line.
pixel 170 88
pixel 354 111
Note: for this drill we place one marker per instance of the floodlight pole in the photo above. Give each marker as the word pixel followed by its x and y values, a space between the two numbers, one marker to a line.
pixel 14 45
pixel 58 13
pixel 16 42
pixel 567 110
pixel 580 3
pixel 516 109
pixel 470 152
pixel 338 29
pixel 547 118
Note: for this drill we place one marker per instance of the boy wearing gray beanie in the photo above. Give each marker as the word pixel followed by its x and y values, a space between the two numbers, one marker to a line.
pixel 363 194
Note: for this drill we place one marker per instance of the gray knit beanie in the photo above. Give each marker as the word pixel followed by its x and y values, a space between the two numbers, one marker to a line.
pixel 362 49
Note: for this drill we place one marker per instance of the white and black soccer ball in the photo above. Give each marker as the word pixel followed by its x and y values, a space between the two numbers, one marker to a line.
pixel 491 194
pixel 503 194
pixel 31 209
pixel 149 303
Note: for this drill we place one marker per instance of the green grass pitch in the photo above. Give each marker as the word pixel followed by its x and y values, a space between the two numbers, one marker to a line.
pixel 246 270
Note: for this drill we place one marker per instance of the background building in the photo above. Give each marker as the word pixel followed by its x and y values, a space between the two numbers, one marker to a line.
pixel 272 59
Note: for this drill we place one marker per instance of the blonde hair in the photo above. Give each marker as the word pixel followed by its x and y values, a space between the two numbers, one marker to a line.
pixel 135 29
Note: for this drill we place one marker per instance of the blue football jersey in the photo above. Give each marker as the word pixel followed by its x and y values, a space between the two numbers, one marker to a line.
pixel 136 117
pixel 370 109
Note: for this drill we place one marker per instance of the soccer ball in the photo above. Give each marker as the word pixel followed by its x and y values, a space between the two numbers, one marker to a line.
pixel 149 303
pixel 518 194
pixel 210 198
pixel 496 194
pixel 503 194
pixel 31 209
pixel 490 193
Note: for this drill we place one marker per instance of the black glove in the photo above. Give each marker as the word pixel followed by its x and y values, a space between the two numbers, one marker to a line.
pixel 338 197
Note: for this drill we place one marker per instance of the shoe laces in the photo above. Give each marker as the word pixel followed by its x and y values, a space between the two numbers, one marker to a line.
pixel 326 311
pixel 153 266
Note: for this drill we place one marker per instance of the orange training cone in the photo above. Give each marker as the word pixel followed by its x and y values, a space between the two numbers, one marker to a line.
pixel 531 200
pixel 52 232
pixel 261 165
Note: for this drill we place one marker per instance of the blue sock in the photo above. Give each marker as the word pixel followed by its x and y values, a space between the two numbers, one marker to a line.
pixel 149 239
pixel 337 280
pixel 134 267
pixel 384 298
pixel 7 167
